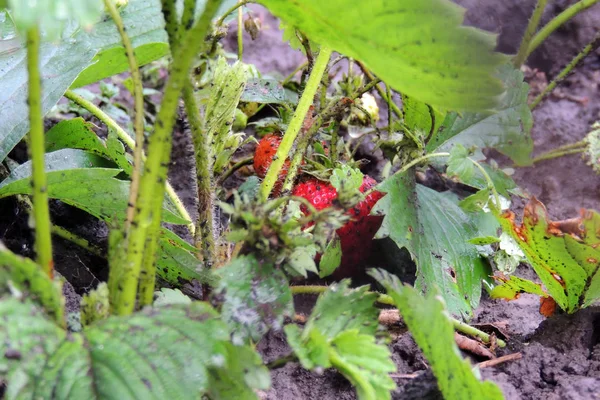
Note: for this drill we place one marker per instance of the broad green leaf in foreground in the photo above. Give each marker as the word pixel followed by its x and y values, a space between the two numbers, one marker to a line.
pixel 62 62
pixel 256 297
pixel 506 130
pixel 564 254
pixel 170 352
pixel 436 233
pixel 418 47
pixel 432 330
pixel 341 333
pixel 29 277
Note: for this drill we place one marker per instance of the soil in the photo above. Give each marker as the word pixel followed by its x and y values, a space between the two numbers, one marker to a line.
pixel 561 354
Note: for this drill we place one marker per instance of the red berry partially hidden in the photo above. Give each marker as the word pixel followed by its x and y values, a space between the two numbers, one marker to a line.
pixel 263 157
pixel 356 236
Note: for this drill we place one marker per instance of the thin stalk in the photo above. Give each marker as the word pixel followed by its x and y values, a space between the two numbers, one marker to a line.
pixel 556 154
pixel 129 142
pixel 233 168
pixel 41 212
pixel 138 101
pixel 240 33
pixel 187 19
pixel 534 21
pixel 143 235
pixel 490 184
pixel 388 95
pixel 232 9
pixel 296 123
pixel 291 76
pixel 169 13
pixel 582 54
pixel 282 361
pixel 387 300
pixel 557 21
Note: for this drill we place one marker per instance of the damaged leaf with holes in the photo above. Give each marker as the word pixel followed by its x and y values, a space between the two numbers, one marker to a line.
pixel 564 254
pixel 342 332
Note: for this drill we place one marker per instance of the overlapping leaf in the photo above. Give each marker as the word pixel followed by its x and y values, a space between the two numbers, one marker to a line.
pixel 428 322
pixel 564 254
pixel 341 333
pixel 169 352
pixel 436 232
pixel 434 59
pixel 506 130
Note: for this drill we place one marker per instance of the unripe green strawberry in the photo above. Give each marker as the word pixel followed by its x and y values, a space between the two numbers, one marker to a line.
pixel 357 234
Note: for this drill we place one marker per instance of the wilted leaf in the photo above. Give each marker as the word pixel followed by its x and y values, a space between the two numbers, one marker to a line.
pixel 432 330
pixel 434 59
pixel 564 254
pixel 256 297
pixel 510 288
pixel 169 352
pixel 436 232
pixel 340 332
pixel 506 130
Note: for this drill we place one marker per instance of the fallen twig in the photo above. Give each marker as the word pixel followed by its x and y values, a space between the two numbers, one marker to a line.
pixel 500 360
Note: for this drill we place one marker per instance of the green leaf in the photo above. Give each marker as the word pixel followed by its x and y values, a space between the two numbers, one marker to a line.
pixel 71 180
pixel 432 330
pixel 170 352
pixel 302 261
pixel 512 287
pixel 113 61
pixel 419 117
pixel 503 183
pixel 94 305
pixel 169 297
pixel 52 15
pixel 436 233
pixel 331 258
pixel 270 91
pixel 482 241
pixel 29 277
pixel 75 134
pixel 434 59
pixel 506 130
pixel 256 297
pixel 340 332
pixel 61 63
pixel 459 164
pixel 564 254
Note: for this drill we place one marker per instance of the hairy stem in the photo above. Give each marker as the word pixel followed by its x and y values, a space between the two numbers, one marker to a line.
pixel 387 300
pixel 557 153
pixel 138 97
pixel 557 21
pixel 143 236
pixel 296 123
pixel 593 44
pixel 233 168
pixel 241 3
pixel 129 142
pixel 41 212
pixel 534 21
pixel 282 361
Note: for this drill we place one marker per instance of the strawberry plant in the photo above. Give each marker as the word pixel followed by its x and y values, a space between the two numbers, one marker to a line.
pixel 189 293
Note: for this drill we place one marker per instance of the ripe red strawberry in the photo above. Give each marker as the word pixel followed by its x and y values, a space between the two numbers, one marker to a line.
pixel 263 157
pixel 356 236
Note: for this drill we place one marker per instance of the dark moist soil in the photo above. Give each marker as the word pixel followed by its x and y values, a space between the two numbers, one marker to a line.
pixel 561 355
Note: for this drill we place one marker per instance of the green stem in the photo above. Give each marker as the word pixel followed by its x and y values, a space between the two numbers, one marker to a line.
pixel 138 97
pixel 296 123
pixel 41 212
pixel 291 76
pixel 235 167
pixel 580 56
pixel 557 21
pixel 143 236
pixel 556 154
pixel 232 9
pixel 205 238
pixel 129 142
pixel 387 300
pixel 490 184
pixel 187 19
pixel 240 33
pixel 282 361
pixel 529 32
